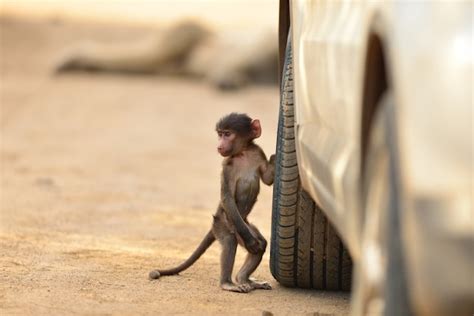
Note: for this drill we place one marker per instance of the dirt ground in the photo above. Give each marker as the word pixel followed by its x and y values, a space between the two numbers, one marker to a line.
pixel 106 177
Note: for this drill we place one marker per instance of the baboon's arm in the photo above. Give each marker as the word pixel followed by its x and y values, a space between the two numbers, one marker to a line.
pixel 267 170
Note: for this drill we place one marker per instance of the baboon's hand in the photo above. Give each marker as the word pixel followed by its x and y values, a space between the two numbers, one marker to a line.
pixel 272 159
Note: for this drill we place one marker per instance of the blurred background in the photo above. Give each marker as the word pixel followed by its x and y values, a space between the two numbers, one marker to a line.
pixel 108 151
pixel 228 14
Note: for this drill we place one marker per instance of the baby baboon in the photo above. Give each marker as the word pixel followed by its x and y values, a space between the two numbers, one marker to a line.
pixel 244 165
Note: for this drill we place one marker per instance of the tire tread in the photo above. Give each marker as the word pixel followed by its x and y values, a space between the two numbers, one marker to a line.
pixel 305 249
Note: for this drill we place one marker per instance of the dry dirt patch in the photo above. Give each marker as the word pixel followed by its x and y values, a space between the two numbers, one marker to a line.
pixel 105 177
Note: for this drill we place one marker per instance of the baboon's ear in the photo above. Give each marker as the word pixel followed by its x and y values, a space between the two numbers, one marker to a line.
pixel 256 128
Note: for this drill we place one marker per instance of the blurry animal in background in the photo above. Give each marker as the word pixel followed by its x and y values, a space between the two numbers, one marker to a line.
pixel 244 165
pixel 226 60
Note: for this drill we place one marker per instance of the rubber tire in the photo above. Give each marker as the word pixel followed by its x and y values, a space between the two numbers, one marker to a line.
pixel 306 250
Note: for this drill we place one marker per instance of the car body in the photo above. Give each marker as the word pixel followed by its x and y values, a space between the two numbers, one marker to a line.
pixel 426 48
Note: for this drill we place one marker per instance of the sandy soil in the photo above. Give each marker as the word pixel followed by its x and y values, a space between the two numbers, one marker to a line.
pixel 105 177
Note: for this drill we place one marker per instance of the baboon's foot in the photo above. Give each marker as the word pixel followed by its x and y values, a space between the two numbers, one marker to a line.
pixel 262 285
pixel 239 288
pixel 257 285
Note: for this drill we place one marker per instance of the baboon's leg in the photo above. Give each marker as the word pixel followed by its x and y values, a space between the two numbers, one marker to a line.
pixel 229 248
pixel 251 263
pixel 228 242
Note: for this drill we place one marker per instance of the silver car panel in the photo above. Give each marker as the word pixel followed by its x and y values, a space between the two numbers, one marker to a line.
pixel 429 52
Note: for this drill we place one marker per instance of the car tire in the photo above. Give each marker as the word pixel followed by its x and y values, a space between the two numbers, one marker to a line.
pixel 306 250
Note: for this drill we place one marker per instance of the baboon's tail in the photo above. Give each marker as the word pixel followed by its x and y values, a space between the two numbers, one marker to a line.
pixel 205 243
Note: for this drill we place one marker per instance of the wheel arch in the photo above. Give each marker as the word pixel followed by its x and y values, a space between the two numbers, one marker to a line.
pixel 375 83
pixel 283 29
